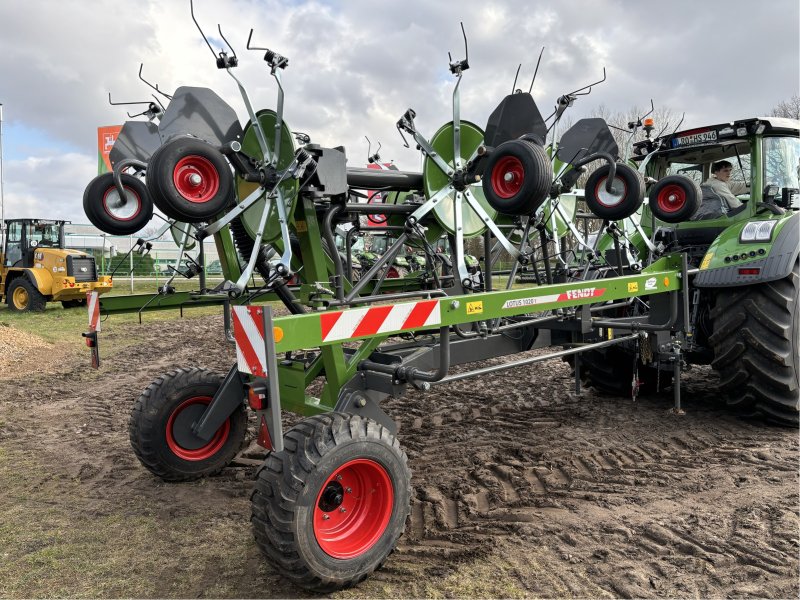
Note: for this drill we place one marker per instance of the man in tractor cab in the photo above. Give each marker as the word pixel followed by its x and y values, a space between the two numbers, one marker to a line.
pixel 719 193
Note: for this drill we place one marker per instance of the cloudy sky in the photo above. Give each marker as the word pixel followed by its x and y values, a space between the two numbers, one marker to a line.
pixel 356 66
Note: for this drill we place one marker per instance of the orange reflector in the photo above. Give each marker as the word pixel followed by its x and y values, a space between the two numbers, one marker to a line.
pixel 256 400
pixel 648 122
pixel 666 280
pixel 277 334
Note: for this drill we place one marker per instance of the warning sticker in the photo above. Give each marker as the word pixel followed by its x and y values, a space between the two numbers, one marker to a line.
pixel 474 308
pixel 633 286
pixel 706 261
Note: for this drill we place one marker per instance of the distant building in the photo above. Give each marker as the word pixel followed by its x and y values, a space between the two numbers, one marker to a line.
pixel 164 252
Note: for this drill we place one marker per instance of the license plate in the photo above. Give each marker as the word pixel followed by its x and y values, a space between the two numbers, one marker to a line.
pixel 695 138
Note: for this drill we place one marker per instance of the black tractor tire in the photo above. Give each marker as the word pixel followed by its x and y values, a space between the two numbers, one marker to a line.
pixel 109 213
pixel 73 303
pixel 755 342
pixel 675 198
pixel 329 509
pixel 517 177
pixel 610 371
pixel 627 195
pixel 190 180
pixel 165 413
pixel 23 296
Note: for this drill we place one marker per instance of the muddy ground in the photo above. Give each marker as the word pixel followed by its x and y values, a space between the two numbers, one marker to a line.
pixel 521 489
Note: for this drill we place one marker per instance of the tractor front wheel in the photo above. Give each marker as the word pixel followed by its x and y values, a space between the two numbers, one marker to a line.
pixel 330 507
pixel 23 296
pixel 161 427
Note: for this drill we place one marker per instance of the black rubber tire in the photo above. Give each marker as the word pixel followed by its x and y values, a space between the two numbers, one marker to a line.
pixel 610 370
pixel 675 198
pixel 532 174
pixel 624 202
pixel 73 303
pixel 36 302
pixel 95 204
pixel 151 415
pixel 286 493
pixel 167 171
pixel 755 342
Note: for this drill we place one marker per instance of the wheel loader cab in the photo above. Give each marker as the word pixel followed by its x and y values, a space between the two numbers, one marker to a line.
pixel 25 236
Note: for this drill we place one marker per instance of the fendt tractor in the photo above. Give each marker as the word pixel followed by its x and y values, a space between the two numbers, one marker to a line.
pixel 36 268
pixel 743 304
pixel 650 290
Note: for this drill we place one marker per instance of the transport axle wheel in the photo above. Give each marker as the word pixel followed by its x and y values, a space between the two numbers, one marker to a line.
pixel 189 180
pixel 331 506
pixel 110 212
pixel 161 427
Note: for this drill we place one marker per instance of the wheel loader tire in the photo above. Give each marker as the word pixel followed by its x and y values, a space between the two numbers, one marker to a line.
pixel 517 177
pixel 610 370
pixel 73 303
pixel 625 198
pixel 161 422
pixel 675 198
pixel 329 509
pixel 190 180
pixel 118 216
pixel 24 296
pixel 755 342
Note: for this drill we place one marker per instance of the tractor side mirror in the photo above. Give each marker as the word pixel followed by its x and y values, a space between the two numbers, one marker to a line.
pixel 770 192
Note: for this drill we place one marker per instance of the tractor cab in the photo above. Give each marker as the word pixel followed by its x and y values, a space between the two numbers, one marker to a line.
pixel 25 236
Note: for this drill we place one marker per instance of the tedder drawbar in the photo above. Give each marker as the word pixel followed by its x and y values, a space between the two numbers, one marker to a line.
pixel 334 493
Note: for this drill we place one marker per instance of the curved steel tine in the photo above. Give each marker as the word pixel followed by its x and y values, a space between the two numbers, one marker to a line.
pixel 222 35
pixel 514 85
pixel 530 89
pixel 590 86
pixel 205 39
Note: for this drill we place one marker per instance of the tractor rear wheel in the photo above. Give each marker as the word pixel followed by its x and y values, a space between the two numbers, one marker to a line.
pixel 23 296
pixel 161 423
pixel 755 342
pixel 330 507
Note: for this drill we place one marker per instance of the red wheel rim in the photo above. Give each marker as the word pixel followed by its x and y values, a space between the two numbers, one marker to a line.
pixel 115 206
pixel 353 509
pixel 508 176
pixel 204 452
pixel 196 179
pixel 672 198
pixel 610 199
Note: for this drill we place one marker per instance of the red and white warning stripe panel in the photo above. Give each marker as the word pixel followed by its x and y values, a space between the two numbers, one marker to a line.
pixel 93 305
pixel 248 331
pixel 579 294
pixel 360 322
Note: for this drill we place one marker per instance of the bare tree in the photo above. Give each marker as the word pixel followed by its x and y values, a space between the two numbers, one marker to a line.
pixel 788 108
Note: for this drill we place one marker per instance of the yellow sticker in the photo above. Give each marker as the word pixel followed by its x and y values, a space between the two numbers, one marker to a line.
pixel 706 261
pixel 300 226
pixel 633 286
pixel 474 308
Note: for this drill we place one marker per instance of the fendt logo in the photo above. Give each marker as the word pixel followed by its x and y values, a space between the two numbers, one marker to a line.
pixel 582 293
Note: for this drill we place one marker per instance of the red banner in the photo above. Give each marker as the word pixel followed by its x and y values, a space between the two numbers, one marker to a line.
pixel 106 136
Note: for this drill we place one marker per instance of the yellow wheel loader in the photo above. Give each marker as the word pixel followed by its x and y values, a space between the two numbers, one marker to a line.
pixel 36 268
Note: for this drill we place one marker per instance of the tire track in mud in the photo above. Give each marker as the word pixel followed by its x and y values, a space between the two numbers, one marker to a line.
pixel 503 466
pixel 572 495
